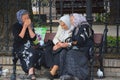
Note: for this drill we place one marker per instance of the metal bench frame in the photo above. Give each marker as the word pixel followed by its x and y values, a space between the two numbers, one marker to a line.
pixel 99 42
pixel 98 50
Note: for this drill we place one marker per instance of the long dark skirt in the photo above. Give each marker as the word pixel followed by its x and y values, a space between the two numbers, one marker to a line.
pixel 58 55
pixel 51 58
pixel 74 63
pixel 29 57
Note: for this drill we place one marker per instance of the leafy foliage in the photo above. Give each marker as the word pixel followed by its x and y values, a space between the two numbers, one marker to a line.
pixel 111 41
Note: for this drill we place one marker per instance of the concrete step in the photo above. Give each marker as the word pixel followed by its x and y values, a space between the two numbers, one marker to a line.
pixel 38 78
pixel 111 66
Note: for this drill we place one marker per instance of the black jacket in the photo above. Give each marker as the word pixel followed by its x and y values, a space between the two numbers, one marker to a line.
pixel 18 41
pixel 83 34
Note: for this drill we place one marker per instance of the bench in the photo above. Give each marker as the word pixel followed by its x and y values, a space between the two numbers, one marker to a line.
pixel 98 43
pixel 98 50
pixel 48 36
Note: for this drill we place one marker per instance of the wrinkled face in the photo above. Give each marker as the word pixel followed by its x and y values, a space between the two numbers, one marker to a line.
pixel 72 20
pixel 25 17
pixel 63 25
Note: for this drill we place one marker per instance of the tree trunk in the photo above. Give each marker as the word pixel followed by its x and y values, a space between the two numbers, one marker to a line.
pixel 8 9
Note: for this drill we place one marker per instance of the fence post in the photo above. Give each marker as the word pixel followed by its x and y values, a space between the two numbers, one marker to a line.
pixel 106 24
pixel 6 24
pixel 61 7
pixel 39 3
pixel 89 12
pixel 50 15
pixel 117 24
pixel 90 20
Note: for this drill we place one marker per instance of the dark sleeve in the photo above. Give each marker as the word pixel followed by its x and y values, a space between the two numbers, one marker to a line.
pixel 34 38
pixel 82 36
pixel 16 29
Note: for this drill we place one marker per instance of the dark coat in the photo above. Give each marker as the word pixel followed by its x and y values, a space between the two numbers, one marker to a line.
pixel 74 62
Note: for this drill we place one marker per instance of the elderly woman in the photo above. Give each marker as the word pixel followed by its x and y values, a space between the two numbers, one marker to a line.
pixel 62 34
pixel 23 38
pixel 75 66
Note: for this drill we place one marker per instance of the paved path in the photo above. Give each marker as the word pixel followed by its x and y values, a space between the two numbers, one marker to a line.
pixel 112 30
pixel 107 78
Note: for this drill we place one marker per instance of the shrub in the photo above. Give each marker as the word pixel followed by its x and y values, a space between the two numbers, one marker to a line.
pixel 111 41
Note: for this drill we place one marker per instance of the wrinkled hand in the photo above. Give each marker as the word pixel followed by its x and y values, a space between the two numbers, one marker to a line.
pixel 27 23
pixel 60 45
pixel 74 42
pixel 63 45
pixel 56 47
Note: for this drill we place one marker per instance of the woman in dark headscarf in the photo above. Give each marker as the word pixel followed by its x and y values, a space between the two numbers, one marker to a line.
pixel 75 62
pixel 23 37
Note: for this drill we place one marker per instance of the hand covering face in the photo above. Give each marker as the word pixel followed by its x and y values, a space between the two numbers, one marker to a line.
pixel 19 15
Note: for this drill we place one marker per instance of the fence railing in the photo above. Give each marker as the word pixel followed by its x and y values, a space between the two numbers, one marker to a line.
pixel 53 9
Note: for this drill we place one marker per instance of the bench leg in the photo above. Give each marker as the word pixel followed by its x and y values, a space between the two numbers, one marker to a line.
pixel 91 71
pixel 101 65
pixel 13 76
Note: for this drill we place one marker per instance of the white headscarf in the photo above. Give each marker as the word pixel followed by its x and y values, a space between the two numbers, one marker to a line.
pixel 78 19
pixel 62 34
pixel 66 20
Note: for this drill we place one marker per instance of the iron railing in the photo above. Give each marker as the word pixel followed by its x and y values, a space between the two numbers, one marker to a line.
pixel 40 6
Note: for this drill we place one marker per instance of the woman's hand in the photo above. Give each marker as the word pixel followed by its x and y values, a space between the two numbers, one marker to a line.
pixel 27 23
pixel 60 45
pixel 56 47
pixel 64 45
pixel 74 42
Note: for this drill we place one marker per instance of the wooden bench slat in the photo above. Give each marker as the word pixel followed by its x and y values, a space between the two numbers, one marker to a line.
pixel 49 36
pixel 98 38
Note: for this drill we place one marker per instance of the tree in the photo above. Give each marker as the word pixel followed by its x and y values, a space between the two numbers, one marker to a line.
pixel 8 9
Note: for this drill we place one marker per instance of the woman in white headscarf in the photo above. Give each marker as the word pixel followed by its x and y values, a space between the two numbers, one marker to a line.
pixel 75 63
pixel 62 34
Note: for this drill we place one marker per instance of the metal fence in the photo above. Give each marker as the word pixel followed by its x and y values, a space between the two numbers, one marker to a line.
pixel 53 9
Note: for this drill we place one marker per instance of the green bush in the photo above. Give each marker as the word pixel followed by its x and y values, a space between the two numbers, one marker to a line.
pixel 38 25
pixel 111 41
pixel 102 17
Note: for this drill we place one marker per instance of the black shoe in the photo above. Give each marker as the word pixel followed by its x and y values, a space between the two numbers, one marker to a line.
pixel 57 76
pixel 31 77
pixel 49 75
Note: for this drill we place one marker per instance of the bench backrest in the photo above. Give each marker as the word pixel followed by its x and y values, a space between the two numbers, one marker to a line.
pixel 49 36
pixel 98 38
